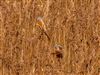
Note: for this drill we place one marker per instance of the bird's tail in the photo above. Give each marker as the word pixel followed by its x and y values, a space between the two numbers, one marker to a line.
pixel 47 35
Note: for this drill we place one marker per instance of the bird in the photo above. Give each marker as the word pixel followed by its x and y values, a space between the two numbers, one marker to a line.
pixel 59 50
pixel 40 23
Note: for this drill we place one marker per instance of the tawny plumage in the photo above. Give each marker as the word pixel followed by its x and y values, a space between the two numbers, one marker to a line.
pixel 42 26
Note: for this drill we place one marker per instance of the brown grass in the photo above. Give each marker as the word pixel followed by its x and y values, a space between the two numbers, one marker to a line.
pixel 74 30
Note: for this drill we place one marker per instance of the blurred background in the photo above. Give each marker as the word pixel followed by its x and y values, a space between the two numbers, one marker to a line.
pixel 74 30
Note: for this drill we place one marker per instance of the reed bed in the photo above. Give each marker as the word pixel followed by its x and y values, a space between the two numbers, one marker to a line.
pixel 49 37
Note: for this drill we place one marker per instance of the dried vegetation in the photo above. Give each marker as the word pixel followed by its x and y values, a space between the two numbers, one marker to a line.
pixel 73 27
